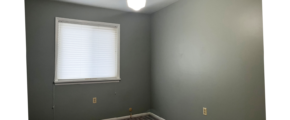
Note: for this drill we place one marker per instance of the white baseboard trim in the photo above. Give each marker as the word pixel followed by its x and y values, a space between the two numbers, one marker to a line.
pixel 154 115
pixel 136 115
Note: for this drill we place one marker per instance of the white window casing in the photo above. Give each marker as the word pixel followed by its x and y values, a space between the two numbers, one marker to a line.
pixel 86 52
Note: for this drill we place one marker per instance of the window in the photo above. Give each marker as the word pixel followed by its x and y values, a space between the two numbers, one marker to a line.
pixel 86 51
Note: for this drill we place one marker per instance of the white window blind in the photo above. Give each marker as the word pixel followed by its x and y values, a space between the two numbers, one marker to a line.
pixel 86 51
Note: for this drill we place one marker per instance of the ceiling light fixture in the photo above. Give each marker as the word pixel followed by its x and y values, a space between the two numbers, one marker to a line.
pixel 136 4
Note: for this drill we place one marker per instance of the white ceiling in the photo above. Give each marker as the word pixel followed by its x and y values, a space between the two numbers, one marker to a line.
pixel 151 5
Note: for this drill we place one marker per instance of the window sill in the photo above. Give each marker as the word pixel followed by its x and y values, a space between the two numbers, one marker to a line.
pixel 85 82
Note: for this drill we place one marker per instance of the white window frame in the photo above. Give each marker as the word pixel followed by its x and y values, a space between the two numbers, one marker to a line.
pixel 86 80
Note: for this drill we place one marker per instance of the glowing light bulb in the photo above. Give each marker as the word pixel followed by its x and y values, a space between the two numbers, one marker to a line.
pixel 136 4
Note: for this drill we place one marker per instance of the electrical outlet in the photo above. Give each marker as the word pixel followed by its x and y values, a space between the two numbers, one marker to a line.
pixel 204 111
pixel 130 109
pixel 95 100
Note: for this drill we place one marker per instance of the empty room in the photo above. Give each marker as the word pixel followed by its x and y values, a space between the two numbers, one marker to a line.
pixel 145 59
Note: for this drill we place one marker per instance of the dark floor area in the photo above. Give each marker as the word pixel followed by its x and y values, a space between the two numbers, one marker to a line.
pixel 147 117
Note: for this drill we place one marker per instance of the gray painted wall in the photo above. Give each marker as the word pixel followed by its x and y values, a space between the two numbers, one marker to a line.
pixel 208 53
pixel 74 102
